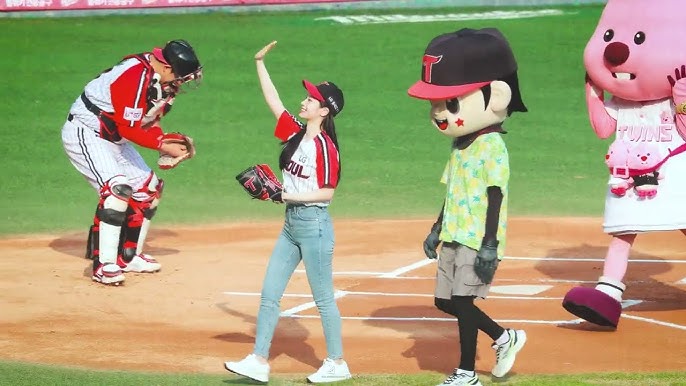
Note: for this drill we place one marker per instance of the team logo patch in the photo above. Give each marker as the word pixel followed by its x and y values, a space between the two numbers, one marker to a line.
pixel 131 114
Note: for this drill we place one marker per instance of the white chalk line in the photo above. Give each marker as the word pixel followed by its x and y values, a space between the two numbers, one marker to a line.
pixel 395 274
pixel 654 321
pixel 428 319
pixel 593 259
pixel 340 293
pixel 382 275
pixel 306 306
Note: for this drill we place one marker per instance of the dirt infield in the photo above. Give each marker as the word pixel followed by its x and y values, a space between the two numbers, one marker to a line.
pixel 200 309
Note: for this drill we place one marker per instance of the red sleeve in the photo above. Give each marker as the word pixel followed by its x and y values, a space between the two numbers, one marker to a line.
pixel 287 126
pixel 328 162
pixel 129 99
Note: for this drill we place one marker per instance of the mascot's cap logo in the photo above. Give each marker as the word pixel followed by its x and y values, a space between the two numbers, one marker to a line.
pixel 457 63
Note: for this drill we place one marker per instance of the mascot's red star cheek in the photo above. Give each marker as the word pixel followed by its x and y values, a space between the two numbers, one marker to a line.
pixel 459 122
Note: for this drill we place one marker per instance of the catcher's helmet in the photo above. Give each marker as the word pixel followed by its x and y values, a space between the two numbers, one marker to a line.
pixel 181 57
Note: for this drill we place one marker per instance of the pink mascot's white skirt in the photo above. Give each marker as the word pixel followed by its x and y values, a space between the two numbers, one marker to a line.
pixel 665 211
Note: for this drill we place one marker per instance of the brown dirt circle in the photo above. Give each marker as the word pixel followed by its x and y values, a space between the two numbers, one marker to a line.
pixel 182 319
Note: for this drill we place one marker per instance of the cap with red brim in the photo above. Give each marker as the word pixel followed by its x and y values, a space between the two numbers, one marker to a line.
pixel 327 93
pixel 157 53
pixel 313 91
pixel 423 90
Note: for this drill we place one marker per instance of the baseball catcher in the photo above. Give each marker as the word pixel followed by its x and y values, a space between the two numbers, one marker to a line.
pixel 123 106
pixel 260 183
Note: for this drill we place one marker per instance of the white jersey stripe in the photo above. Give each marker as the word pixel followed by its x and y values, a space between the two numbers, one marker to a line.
pixel 139 94
pixel 89 160
pixel 325 156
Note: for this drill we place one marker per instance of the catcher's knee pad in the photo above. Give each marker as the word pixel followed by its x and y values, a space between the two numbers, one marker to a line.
pixel 144 201
pixel 150 191
pixel 114 199
pixel 110 216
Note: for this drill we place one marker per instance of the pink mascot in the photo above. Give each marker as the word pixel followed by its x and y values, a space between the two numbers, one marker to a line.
pixel 636 55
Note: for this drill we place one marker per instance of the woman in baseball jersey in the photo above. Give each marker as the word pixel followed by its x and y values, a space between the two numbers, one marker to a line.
pixel 311 170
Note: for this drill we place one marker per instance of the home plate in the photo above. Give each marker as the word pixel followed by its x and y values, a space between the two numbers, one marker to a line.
pixel 519 289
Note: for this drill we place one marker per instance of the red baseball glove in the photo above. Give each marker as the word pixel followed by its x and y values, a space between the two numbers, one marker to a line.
pixel 167 161
pixel 261 183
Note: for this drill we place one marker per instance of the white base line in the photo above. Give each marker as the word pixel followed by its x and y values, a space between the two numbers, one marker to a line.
pixel 574 259
pixel 339 294
pixel 306 306
pixel 395 274
pixel 351 273
pixel 382 275
pixel 655 321
pixel 407 268
pixel 424 319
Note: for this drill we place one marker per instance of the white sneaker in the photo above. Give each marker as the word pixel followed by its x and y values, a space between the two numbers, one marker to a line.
pixel 108 273
pixel 505 353
pixel 250 367
pixel 462 378
pixel 330 372
pixel 140 263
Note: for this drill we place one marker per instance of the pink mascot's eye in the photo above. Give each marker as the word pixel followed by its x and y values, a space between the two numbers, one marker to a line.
pixel 609 34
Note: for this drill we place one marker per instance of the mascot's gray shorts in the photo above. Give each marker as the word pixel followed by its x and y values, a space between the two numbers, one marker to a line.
pixel 455 274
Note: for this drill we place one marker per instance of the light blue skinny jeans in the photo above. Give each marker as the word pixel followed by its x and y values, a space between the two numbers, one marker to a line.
pixel 307 235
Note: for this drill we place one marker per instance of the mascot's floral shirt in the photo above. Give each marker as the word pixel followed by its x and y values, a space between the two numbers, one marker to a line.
pixel 468 174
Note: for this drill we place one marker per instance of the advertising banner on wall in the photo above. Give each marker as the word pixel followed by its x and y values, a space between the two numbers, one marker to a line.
pixel 65 5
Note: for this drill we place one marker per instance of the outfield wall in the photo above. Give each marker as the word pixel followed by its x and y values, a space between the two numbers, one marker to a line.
pixel 52 8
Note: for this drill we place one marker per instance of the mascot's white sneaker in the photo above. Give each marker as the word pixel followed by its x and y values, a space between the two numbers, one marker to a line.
pixel 505 353
pixel 108 273
pixel 462 378
pixel 140 263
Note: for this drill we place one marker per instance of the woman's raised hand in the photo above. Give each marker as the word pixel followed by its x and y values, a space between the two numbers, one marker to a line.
pixel 263 52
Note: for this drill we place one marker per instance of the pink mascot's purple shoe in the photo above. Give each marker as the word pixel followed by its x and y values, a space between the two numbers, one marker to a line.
pixel 593 306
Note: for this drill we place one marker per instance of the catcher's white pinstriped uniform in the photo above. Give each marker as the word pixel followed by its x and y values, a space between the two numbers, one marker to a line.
pixel 314 165
pixel 100 154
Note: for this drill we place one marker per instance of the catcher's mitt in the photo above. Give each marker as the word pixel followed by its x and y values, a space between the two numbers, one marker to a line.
pixel 261 183
pixel 167 161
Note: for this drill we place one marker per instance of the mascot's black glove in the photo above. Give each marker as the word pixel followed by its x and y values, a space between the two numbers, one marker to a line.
pixel 432 241
pixel 487 260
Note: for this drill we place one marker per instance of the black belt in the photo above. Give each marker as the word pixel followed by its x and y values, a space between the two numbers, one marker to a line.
pixel 451 244
pixel 90 106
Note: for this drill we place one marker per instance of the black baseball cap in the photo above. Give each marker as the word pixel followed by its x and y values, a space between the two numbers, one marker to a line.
pixel 326 92
pixel 457 63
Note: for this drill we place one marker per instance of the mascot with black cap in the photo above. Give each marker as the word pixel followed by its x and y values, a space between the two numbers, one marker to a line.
pixel 470 79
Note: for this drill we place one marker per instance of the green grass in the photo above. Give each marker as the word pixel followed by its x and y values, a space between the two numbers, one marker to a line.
pixel 392 158
pixel 18 374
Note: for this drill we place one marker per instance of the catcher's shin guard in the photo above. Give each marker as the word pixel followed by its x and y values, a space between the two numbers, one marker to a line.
pixel 109 218
pixel 92 242
pixel 142 207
